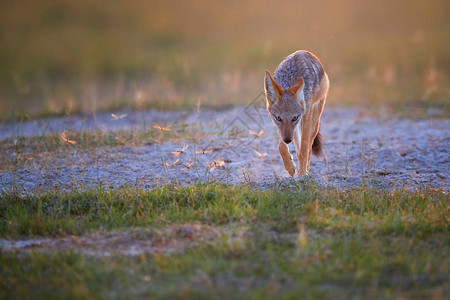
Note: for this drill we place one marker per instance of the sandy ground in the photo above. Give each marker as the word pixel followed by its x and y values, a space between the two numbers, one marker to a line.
pixel 175 238
pixel 361 150
pixel 132 242
pixel 384 152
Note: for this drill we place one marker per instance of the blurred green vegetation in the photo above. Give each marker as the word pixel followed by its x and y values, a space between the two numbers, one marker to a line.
pixel 71 56
pixel 296 242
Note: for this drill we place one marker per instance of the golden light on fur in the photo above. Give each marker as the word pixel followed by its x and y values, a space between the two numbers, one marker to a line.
pixel 296 86
pixel 297 112
pixel 276 85
pixel 272 89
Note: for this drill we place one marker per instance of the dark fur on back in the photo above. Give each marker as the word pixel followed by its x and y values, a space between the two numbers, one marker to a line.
pixel 317 146
pixel 300 64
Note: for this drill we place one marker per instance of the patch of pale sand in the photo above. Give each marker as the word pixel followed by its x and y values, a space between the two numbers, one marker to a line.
pixel 361 150
pixel 132 242
pixel 175 238
pixel 138 121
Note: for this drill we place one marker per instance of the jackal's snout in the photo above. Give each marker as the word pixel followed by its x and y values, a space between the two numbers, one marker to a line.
pixel 287 140
pixel 286 131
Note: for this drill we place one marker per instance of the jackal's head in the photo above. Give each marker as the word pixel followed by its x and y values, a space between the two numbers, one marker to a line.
pixel 286 107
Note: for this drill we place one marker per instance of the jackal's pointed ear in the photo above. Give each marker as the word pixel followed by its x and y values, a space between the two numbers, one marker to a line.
pixel 272 89
pixel 296 86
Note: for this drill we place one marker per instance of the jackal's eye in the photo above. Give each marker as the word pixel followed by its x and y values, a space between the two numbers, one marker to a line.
pixel 278 118
pixel 295 119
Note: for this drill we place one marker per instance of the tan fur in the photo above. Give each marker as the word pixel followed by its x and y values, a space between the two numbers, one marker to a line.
pixel 288 160
pixel 278 90
pixel 296 86
pixel 291 103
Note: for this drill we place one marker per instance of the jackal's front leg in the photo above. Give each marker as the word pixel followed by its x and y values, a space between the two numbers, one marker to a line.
pixel 287 158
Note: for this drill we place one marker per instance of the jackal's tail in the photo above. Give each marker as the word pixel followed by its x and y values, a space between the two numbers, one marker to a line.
pixel 317 146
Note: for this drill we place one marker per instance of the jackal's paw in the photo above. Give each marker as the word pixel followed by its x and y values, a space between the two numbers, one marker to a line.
pixel 291 170
pixel 301 173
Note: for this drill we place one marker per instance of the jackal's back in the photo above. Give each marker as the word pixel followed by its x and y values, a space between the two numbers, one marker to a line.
pixel 301 64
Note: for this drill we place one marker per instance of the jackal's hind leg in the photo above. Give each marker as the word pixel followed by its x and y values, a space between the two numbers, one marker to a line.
pixel 297 138
pixel 315 122
pixel 287 158
pixel 304 155
pixel 310 128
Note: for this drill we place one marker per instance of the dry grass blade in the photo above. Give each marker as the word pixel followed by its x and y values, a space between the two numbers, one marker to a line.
pixel 204 151
pixel 217 163
pixel 172 164
pixel 189 165
pixel 257 134
pixel 180 151
pixel 261 155
pixel 159 127
pixel 115 117
pixel 65 139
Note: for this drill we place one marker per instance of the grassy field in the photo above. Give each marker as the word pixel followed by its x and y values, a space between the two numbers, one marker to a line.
pixel 309 241
pixel 89 235
pixel 63 57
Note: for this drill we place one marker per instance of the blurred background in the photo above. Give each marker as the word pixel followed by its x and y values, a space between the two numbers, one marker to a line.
pixel 66 57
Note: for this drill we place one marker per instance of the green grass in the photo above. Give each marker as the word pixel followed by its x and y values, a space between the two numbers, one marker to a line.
pixel 338 267
pixel 75 212
pixel 303 241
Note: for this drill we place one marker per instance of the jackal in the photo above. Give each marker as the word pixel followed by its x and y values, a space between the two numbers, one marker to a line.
pixel 296 96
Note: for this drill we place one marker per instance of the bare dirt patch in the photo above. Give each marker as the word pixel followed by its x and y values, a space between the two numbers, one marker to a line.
pixel 132 242
pixel 361 149
pixel 165 240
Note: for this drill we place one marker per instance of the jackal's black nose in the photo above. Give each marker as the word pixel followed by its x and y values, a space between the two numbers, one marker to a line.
pixel 287 140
